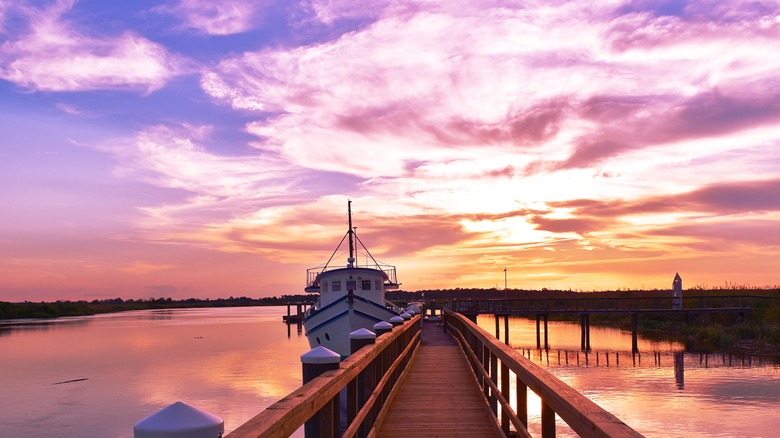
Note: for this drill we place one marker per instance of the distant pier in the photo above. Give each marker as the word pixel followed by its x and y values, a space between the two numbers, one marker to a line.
pixel 541 309
pixel 300 312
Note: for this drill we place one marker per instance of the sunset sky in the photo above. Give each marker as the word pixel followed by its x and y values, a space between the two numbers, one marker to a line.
pixel 206 149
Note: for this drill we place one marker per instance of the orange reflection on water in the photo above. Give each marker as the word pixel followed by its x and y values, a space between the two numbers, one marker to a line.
pixel 233 362
pixel 660 389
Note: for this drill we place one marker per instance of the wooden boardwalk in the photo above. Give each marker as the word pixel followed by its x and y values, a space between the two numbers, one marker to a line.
pixel 439 397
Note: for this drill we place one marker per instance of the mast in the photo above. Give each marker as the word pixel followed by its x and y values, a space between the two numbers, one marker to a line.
pixel 351 258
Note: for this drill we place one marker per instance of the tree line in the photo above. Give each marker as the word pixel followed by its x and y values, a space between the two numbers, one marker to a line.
pixel 60 308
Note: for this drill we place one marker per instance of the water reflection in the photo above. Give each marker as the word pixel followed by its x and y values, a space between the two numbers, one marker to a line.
pixel 97 376
pixel 158 315
pixel 8 327
pixel 553 357
pixel 664 385
pixel 679 369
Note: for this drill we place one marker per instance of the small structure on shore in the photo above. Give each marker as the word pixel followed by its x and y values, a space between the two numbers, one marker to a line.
pixel 677 293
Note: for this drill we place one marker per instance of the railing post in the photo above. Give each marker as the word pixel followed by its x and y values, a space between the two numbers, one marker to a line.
pixel 394 347
pixel 485 366
pixel 505 393
pixel 548 421
pixel 324 423
pixel 358 389
pixel 360 338
pixel 522 401
pixel 494 378
pixel 382 327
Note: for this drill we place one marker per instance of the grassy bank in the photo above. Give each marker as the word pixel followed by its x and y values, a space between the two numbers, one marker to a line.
pixel 759 332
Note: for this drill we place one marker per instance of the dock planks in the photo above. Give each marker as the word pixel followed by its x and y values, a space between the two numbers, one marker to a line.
pixel 439 397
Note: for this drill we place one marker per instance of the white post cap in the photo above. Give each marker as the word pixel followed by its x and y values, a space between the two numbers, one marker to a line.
pixel 320 355
pixel 180 420
pixel 405 315
pixel 362 333
pixel 383 325
pixel 396 320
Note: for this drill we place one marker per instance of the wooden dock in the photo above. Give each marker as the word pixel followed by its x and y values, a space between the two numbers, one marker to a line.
pixel 422 381
pixel 439 397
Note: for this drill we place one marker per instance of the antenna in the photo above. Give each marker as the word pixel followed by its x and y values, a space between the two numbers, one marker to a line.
pixel 351 232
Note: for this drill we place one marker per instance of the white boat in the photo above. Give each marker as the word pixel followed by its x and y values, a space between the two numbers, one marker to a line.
pixel 352 296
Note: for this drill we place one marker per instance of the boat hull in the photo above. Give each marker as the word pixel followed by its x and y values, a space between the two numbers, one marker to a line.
pixel 331 325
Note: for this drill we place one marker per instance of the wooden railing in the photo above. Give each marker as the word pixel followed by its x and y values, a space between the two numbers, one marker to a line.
pixel 369 376
pixel 486 355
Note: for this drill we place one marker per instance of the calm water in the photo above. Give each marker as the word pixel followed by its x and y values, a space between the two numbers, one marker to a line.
pixel 661 391
pixel 234 362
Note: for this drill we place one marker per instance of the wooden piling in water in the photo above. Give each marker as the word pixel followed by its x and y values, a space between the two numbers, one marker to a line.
pixel 506 329
pixel 326 422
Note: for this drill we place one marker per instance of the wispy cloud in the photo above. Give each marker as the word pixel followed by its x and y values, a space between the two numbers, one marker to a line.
pixel 217 18
pixel 217 186
pixel 144 268
pixel 503 78
pixel 53 55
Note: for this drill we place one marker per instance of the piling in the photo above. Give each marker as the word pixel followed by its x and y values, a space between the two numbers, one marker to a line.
pixel 506 329
pixel 326 422
pixel 396 321
pixel 360 338
pixel 382 327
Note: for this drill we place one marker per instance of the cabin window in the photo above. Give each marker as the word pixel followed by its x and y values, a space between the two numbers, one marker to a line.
pixel 351 284
pixel 324 286
pixel 378 285
pixel 365 285
pixel 335 286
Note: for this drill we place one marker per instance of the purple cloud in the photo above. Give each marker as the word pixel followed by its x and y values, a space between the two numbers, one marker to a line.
pixel 53 55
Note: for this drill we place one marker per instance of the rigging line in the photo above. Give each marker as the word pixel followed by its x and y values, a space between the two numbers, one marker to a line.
pixel 367 252
pixel 334 253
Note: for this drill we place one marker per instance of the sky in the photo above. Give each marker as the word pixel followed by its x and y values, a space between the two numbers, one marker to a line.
pixel 207 149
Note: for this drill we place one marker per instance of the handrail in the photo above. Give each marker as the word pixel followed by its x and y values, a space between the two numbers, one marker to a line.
pixel 584 416
pixel 386 359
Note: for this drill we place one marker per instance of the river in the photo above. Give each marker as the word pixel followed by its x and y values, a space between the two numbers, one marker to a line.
pixel 97 376
pixel 663 390
pixel 232 362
